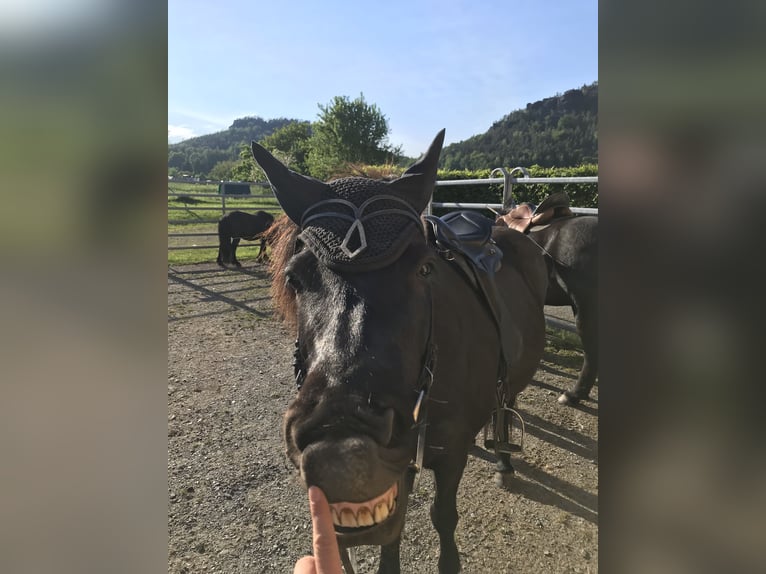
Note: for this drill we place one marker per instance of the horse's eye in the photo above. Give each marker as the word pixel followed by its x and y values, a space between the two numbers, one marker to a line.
pixel 293 282
pixel 425 269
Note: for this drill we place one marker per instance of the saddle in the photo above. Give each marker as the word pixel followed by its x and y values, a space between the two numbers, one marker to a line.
pixel 470 234
pixel 525 216
pixel 465 237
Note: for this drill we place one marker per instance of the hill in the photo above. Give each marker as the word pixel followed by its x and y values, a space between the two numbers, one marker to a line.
pixel 560 131
pixel 198 155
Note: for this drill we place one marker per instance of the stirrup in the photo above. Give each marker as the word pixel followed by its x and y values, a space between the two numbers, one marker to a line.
pixel 504 447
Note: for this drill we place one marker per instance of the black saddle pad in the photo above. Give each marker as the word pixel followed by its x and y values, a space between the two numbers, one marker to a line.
pixel 469 226
pixel 469 233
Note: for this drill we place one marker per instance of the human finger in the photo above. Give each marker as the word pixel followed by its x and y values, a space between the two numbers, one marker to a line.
pixel 305 566
pixel 326 552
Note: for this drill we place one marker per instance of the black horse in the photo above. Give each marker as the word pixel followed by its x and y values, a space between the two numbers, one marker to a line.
pixel 399 357
pixel 569 243
pixel 237 225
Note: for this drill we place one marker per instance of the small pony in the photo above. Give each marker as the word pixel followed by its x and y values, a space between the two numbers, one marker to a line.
pixel 238 225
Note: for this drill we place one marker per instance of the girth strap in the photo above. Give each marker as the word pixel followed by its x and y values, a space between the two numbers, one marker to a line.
pixel 487 288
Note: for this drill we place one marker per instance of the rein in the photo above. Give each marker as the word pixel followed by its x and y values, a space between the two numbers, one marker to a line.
pixel 548 253
pixel 544 250
pixel 421 405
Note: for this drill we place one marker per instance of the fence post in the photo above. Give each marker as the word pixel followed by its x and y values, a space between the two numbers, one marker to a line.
pixel 223 203
pixel 508 202
pixel 507 186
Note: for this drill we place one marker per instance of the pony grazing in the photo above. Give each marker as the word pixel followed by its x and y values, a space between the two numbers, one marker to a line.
pixel 569 243
pixel 403 345
pixel 237 225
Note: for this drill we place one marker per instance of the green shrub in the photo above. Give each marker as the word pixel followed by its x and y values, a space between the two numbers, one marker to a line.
pixel 580 194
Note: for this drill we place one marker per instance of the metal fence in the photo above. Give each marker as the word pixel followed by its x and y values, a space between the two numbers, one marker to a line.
pixel 508 180
pixel 223 209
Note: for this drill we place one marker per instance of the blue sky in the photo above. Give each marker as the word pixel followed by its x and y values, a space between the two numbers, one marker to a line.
pixel 454 64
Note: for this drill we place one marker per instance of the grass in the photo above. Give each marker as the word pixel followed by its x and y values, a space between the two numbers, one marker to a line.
pixel 193 221
pixel 564 349
pixel 563 338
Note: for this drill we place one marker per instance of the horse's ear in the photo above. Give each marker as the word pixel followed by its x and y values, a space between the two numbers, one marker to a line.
pixel 294 192
pixel 417 183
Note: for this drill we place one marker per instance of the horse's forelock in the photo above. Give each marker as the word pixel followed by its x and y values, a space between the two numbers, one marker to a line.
pixel 281 236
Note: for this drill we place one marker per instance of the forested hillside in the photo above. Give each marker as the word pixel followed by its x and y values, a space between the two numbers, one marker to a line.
pixel 558 131
pixel 199 155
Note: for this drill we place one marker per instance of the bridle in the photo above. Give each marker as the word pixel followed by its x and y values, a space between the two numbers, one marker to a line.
pixel 422 388
pixel 425 383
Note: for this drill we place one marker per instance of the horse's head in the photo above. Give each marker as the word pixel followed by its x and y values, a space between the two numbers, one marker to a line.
pixel 356 271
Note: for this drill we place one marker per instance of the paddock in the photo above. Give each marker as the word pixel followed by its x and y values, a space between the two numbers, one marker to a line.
pixel 235 504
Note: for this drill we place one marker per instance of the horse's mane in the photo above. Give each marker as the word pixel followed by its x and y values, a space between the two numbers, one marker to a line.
pixel 281 236
pixel 385 172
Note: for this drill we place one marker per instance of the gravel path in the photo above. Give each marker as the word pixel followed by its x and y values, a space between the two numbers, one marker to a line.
pixel 235 504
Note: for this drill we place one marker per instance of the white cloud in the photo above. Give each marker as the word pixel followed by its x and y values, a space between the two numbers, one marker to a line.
pixel 179 133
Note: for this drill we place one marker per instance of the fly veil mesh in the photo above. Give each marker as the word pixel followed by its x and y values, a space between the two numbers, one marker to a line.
pixel 361 225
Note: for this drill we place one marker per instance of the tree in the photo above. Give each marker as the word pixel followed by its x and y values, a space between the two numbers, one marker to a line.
pixel 223 170
pixel 349 132
pixel 292 141
pixel 178 160
pixel 245 169
pixel 561 131
pixel 289 144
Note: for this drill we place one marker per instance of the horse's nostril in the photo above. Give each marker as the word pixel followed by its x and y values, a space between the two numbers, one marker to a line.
pixel 379 425
pixel 387 429
pixel 382 426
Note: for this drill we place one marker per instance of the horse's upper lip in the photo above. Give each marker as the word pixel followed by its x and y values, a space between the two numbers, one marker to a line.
pixel 353 515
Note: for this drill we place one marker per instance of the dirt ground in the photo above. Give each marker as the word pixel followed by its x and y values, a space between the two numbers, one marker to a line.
pixel 235 504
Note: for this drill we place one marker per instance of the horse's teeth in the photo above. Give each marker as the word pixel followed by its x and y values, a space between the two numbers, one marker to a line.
pixel 347 517
pixel 364 517
pixel 381 512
